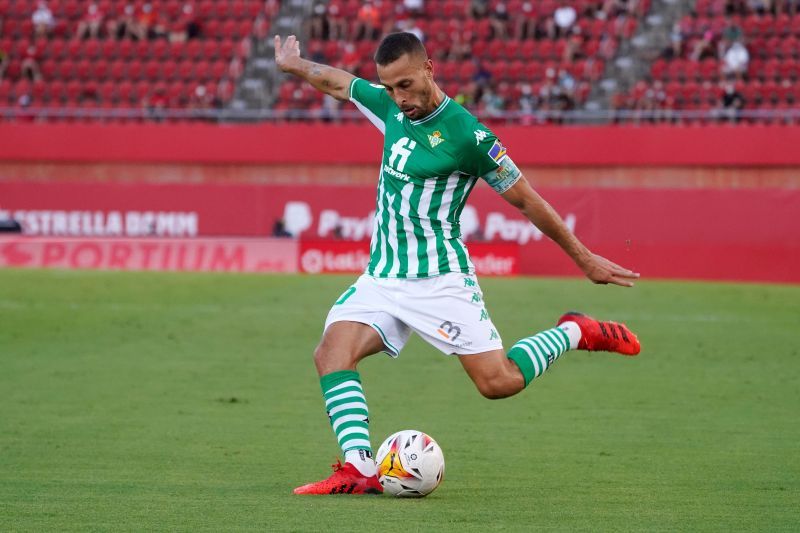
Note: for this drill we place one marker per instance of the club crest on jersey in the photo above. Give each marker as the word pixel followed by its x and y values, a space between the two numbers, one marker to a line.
pixel 435 139
pixel 497 152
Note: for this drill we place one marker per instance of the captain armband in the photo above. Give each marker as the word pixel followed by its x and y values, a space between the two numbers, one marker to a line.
pixel 503 177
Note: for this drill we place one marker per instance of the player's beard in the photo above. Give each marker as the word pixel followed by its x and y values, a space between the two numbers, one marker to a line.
pixel 417 111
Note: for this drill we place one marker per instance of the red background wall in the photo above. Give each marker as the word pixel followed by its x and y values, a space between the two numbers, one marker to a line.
pixel 718 202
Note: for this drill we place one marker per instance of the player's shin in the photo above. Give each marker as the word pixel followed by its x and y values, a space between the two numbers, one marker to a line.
pixel 347 410
pixel 533 355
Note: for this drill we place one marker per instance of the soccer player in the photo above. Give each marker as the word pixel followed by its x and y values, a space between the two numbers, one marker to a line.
pixel 419 277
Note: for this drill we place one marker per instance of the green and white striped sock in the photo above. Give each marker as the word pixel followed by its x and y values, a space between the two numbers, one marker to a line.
pixel 533 355
pixel 347 410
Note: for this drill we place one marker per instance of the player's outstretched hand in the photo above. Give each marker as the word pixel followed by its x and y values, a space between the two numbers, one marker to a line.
pixel 600 270
pixel 286 52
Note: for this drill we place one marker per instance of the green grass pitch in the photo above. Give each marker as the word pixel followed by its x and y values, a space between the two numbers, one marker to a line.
pixel 190 402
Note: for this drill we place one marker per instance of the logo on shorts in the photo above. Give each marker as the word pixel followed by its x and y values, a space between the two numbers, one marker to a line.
pixel 449 331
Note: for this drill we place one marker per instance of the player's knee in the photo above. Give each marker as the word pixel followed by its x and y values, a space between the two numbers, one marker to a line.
pixel 324 355
pixel 330 358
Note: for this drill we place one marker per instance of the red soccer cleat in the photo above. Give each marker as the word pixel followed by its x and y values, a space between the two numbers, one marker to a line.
pixel 344 480
pixel 603 336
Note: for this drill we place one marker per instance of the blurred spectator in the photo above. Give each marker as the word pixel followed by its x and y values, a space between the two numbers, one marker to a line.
pixel 730 34
pixel 573 46
pixel 414 7
pixel 675 49
pixel 155 103
pixel 499 20
pixel 351 58
pixel 525 21
pixel 527 100
pixel 368 22
pixel 3 63
pixel 160 27
pixel 43 21
pixel 734 7
pixel 568 85
pixel 125 26
pixel 224 93
pixel 318 26
pixel 482 76
pixel 703 46
pixel 145 20
pixel 201 98
pixel 337 25
pixel 30 65
pixel 735 60
pixel 460 48
pixel 467 94
pixel 261 28
pixel 331 108
pixel 608 47
pixel 89 26
pixel 410 26
pixel 187 27
pixel 492 104
pixel 731 103
pixel 478 9
pixel 561 22
pixel 235 68
pixel 760 6
pixel 271 8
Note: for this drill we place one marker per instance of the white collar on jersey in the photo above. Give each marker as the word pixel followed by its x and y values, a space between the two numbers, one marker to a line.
pixel 434 114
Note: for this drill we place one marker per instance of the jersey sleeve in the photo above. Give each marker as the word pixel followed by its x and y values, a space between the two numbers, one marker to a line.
pixel 371 99
pixel 486 157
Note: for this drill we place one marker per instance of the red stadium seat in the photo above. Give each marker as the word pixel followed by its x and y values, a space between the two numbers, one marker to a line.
pixel 135 70
pixel 186 70
pixel 152 70
pixel 116 71
pixel 107 91
pixel 99 70
pixel 109 50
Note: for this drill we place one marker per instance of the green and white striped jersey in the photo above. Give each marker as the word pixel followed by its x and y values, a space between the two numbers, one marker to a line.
pixel 428 170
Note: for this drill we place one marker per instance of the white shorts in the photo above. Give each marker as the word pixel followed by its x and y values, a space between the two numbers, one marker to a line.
pixel 447 311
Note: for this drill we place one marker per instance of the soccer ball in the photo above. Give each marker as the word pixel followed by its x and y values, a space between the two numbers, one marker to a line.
pixel 410 464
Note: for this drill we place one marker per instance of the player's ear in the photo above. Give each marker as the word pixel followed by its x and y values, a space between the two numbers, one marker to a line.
pixel 428 66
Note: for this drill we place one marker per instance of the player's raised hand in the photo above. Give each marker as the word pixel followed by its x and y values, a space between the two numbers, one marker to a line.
pixel 600 270
pixel 286 52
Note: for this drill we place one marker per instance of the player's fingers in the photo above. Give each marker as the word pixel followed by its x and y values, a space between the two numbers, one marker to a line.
pixel 629 274
pixel 622 282
pixel 617 270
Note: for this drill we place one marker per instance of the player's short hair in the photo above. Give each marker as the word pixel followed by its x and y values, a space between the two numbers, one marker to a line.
pixel 395 45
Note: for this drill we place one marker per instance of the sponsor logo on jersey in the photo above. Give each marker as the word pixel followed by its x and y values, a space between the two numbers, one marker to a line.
pixel 480 135
pixel 435 139
pixel 497 152
pixel 397 174
pixel 399 116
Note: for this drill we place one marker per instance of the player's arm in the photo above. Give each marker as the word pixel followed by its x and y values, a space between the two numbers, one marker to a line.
pixel 330 80
pixel 598 269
